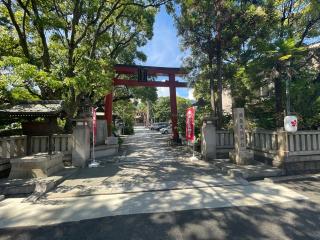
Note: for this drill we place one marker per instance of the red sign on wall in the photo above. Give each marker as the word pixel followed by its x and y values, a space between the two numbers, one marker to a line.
pixel 190 136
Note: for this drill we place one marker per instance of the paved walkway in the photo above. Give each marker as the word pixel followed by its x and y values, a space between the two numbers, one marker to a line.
pixel 147 163
pixel 150 177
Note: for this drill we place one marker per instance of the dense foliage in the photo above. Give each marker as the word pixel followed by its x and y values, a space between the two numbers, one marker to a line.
pixel 66 49
pixel 250 48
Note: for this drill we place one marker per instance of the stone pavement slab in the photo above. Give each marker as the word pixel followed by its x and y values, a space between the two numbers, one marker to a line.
pixel 135 177
pixel 147 164
pixel 56 211
pixel 64 191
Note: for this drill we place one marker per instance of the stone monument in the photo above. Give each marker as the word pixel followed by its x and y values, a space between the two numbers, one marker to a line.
pixel 240 155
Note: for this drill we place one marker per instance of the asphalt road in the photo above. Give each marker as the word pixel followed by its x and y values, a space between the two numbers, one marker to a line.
pixel 290 220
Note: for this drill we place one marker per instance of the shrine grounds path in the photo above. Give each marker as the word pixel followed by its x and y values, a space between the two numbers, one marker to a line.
pixel 154 191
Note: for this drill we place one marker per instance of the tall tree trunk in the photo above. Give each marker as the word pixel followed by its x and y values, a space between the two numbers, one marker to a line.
pixel 212 88
pixel 218 53
pixel 219 78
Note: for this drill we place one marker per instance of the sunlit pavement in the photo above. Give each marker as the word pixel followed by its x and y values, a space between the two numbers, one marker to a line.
pixel 146 163
pixel 154 191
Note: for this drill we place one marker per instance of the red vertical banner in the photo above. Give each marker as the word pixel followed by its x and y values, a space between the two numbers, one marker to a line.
pixel 94 124
pixel 190 136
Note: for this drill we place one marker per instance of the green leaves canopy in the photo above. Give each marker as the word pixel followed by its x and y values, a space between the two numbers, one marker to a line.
pixel 66 49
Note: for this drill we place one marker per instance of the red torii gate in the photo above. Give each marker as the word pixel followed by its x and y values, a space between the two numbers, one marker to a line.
pixel 143 72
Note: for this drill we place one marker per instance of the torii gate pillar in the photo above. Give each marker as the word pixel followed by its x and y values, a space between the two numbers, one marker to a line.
pixel 173 106
pixel 108 112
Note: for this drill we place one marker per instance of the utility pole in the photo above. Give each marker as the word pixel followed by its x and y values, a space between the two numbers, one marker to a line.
pixel 288 80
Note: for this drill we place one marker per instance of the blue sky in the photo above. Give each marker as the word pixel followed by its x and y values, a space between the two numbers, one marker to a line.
pixel 163 49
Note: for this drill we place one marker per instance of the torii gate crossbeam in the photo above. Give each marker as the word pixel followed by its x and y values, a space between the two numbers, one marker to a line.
pixel 147 71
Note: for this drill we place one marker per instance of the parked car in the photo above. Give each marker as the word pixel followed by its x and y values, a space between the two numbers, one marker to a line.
pixel 166 130
pixel 161 125
pixel 152 126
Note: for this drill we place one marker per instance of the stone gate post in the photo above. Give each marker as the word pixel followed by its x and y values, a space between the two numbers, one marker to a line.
pixel 208 140
pixel 81 144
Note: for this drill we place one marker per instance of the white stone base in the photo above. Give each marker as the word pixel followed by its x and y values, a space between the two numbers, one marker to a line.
pixel 37 165
pixel 106 150
pixel 111 141
pixel 241 157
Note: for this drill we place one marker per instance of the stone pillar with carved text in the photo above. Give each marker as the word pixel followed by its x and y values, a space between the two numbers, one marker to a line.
pixel 240 155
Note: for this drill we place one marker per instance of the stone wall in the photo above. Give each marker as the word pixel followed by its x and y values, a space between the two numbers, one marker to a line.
pixel 16 146
pixel 225 143
pixel 303 152
pixel 295 152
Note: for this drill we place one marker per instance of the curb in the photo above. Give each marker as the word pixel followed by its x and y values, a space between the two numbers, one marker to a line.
pixel 292 178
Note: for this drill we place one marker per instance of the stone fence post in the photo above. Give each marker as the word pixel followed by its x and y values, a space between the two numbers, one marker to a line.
pixel 283 148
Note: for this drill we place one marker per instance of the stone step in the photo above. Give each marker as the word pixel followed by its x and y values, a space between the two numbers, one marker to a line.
pixel 12 187
pixel 4 160
pixel 9 187
pixel 253 171
pixel 293 178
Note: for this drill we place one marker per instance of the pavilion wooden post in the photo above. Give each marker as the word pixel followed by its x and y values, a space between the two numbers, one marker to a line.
pixel 108 112
pixel 50 142
pixel 173 106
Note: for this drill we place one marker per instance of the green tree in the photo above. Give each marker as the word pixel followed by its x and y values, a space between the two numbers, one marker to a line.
pixel 211 30
pixel 249 45
pixel 66 49
pixel 126 111
pixel 162 111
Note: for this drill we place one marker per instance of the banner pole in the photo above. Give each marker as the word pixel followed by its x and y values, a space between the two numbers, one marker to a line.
pixel 194 137
pixel 93 140
pixel 94 122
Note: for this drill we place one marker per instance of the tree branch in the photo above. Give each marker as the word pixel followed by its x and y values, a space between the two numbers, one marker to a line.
pixel 22 38
pixel 310 24
pixel 39 26
pixel 122 44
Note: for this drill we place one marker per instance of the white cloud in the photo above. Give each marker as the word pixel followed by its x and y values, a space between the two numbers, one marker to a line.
pixel 190 94
pixel 185 93
pixel 163 91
